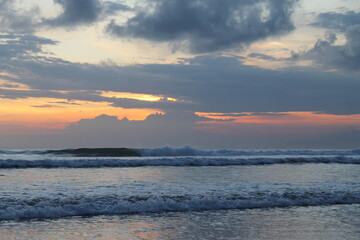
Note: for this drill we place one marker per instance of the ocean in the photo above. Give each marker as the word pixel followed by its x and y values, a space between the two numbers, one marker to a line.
pixel 180 193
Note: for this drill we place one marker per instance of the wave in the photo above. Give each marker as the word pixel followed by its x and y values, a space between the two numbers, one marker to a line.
pixel 190 151
pixel 79 152
pixel 177 152
pixel 174 161
pixel 50 208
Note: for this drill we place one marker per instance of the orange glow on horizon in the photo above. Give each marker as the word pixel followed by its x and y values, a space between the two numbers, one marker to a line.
pixel 11 85
pixel 34 115
pixel 136 96
pixel 7 74
pixel 56 114
pixel 283 118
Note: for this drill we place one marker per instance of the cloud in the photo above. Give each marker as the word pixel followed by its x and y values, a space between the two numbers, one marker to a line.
pixel 84 12
pixel 46 106
pixel 206 84
pixel 209 25
pixel 185 128
pixel 21 45
pixel 325 52
pixel 329 55
pixel 262 56
pixel 179 128
pixel 156 130
pixel 76 12
pixel 13 18
pixel 112 8
pixel 337 21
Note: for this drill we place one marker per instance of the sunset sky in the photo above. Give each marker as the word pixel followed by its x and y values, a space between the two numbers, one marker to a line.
pixel 206 73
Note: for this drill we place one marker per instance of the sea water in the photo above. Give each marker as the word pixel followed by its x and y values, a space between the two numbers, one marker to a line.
pixel 181 194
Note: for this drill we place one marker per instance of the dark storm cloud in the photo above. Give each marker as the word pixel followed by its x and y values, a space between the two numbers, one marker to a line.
pixel 325 53
pixel 14 19
pixel 337 21
pixel 84 12
pixel 209 25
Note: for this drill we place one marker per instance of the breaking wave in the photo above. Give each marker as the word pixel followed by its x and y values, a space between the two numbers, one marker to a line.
pixel 167 156
pixel 79 152
pixel 45 208
pixel 190 151
pixel 170 161
pixel 177 152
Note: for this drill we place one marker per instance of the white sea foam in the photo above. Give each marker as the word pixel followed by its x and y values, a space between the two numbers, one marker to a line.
pixel 190 151
pixel 43 208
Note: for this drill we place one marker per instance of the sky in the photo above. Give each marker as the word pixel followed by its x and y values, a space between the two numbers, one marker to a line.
pixel 236 74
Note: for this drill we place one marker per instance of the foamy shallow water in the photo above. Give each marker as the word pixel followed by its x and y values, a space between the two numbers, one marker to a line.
pixel 280 200
pixel 298 223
